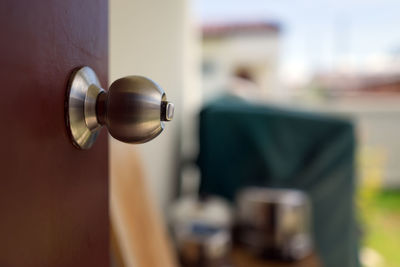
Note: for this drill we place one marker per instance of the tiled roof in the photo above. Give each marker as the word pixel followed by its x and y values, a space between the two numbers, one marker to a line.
pixel 218 29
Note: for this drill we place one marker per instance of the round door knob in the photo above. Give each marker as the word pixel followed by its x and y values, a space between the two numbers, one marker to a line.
pixel 133 109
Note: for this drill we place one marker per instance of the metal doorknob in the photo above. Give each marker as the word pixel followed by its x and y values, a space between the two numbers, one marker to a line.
pixel 133 109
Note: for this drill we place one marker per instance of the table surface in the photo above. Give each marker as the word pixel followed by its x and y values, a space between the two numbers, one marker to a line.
pixel 242 258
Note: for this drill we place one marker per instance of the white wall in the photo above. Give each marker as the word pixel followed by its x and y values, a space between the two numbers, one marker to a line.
pixel 154 39
pixel 257 52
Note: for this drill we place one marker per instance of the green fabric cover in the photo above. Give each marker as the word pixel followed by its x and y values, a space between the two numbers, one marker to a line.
pixel 243 144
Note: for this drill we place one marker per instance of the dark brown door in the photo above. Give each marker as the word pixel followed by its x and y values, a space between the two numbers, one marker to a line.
pixel 53 197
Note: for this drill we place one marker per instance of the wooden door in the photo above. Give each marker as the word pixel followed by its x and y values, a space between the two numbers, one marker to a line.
pixel 53 197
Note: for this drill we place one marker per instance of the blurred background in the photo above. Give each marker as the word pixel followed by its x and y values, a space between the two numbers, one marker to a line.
pixel 285 144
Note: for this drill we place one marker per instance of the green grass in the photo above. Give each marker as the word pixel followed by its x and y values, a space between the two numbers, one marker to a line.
pixel 381 220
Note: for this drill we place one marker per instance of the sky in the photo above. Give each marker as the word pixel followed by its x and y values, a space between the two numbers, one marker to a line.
pixel 320 35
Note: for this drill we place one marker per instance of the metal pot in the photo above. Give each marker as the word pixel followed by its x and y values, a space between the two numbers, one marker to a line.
pixel 274 223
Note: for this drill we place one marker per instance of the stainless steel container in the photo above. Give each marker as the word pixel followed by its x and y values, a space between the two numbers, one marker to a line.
pixel 202 231
pixel 274 223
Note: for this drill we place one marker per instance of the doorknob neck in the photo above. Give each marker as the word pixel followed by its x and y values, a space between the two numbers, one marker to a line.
pixel 101 108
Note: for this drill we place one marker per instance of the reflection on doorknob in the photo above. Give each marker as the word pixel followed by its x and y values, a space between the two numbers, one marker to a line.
pixel 133 109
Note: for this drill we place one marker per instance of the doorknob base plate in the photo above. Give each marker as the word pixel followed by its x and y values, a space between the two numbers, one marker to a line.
pixel 80 107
